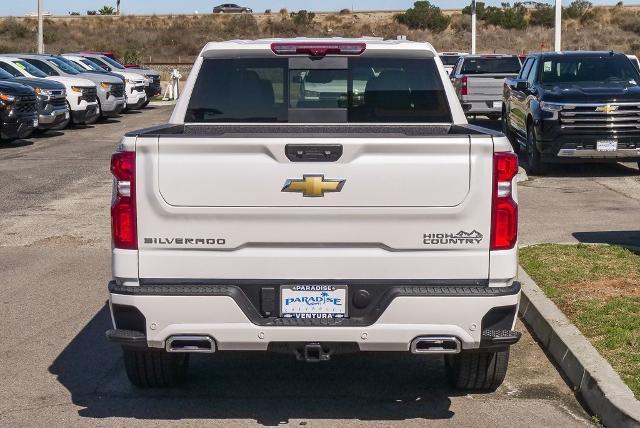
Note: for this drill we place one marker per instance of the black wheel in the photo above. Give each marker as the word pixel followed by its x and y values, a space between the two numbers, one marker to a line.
pixel 155 368
pixel 477 371
pixel 146 103
pixel 534 164
pixel 511 136
pixel 494 116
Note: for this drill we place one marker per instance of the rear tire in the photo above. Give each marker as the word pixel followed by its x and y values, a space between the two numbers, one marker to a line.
pixel 146 103
pixel 155 368
pixel 477 371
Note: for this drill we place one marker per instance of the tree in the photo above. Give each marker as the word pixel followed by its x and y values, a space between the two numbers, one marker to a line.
pixel 543 15
pixel 480 9
pixel 106 10
pixel 424 16
pixel 577 9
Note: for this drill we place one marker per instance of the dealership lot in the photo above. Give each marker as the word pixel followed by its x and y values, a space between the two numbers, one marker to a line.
pixel 58 368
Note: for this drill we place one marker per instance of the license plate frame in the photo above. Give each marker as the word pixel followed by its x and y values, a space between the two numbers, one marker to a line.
pixel 330 301
pixel 606 145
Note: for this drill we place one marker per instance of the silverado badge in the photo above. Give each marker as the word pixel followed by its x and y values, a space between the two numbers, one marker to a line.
pixel 313 185
pixel 607 108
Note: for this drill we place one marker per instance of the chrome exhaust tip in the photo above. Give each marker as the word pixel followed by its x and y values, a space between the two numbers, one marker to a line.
pixel 193 344
pixel 436 345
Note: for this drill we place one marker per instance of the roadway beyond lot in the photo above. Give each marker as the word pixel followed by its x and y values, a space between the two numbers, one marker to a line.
pixel 57 368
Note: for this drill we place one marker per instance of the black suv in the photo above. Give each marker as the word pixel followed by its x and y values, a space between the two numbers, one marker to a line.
pixel 18 111
pixel 574 106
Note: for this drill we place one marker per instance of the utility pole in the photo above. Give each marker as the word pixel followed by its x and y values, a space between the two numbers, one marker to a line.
pixel 473 27
pixel 558 31
pixel 117 7
pixel 40 29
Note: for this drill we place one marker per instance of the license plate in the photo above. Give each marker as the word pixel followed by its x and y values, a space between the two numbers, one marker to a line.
pixel 497 104
pixel 313 301
pixel 607 145
pixel 35 123
pixel 66 115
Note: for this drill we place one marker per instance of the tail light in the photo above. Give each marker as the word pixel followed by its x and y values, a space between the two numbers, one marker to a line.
pixel 318 49
pixel 463 86
pixel 123 209
pixel 504 211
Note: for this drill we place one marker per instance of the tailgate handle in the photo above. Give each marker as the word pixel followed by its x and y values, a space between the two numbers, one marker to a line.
pixel 313 152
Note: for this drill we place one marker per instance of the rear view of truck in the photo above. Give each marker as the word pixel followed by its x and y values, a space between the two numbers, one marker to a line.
pixel 479 79
pixel 315 197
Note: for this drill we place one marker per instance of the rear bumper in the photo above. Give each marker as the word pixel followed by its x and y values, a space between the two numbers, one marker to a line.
pixel 491 106
pixel 235 319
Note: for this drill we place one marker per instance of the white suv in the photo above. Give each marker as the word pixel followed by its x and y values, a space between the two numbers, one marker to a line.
pixel 82 94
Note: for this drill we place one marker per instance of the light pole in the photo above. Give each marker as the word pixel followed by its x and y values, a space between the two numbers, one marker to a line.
pixel 473 27
pixel 558 31
pixel 40 29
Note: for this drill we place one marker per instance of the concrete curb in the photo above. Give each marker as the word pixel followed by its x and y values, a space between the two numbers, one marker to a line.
pixel 589 374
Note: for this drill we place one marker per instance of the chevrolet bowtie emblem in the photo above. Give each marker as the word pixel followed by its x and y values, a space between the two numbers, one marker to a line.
pixel 607 108
pixel 313 186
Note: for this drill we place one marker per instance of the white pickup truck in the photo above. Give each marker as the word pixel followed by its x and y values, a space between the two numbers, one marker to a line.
pixel 479 81
pixel 268 217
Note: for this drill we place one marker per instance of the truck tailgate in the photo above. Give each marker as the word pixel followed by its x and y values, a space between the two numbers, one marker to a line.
pixel 486 85
pixel 214 207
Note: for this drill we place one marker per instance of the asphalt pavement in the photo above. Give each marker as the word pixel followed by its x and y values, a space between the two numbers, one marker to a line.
pixel 57 369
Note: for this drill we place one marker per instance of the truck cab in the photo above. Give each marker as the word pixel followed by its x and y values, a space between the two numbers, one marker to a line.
pixel 295 203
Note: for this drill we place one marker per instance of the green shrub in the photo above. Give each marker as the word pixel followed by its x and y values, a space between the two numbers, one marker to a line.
pixel 345 12
pixel 303 18
pixel 424 16
pixel 14 29
pixel 480 9
pixel 577 9
pixel 507 16
pixel 242 26
pixel 132 56
pixel 543 15
pixel 107 10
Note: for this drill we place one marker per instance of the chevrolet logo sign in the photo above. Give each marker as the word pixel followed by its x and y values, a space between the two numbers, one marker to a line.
pixel 313 186
pixel 607 109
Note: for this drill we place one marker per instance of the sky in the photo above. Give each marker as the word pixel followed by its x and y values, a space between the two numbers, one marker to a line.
pixel 63 7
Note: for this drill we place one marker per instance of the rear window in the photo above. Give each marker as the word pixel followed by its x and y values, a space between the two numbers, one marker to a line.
pixel 369 90
pixel 491 65
pixel 449 59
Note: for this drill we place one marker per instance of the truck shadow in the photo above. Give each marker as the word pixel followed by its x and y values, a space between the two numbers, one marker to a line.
pixel 4 145
pixel 271 389
pixel 590 169
pixel 627 238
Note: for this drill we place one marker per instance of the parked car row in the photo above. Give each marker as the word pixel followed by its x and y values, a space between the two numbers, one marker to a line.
pixel 50 92
pixel 557 107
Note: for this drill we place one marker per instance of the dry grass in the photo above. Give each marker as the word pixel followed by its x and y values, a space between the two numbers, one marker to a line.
pixel 179 38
